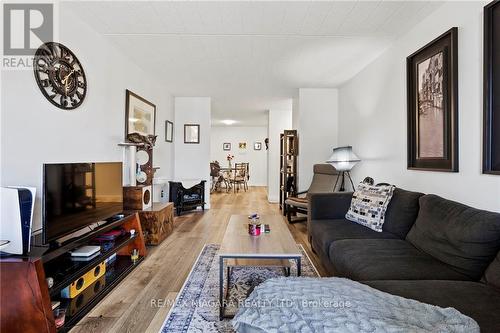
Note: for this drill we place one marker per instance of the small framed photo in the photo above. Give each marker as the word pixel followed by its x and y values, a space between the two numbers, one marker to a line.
pixel 226 146
pixel 169 131
pixel 257 146
pixel 242 145
pixel 192 133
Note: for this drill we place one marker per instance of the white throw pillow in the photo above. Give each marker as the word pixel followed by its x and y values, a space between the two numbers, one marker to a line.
pixel 369 204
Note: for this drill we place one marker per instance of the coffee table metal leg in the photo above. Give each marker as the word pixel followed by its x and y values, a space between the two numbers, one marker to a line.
pixel 299 266
pixel 221 288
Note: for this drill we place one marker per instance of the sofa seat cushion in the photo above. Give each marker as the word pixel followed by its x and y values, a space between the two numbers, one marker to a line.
pixel 387 259
pixel 476 300
pixel 461 236
pixel 324 232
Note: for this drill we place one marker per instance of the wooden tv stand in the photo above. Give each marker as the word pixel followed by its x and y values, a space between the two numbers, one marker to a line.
pixel 26 298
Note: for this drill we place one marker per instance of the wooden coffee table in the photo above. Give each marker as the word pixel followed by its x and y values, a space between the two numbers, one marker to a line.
pixel 238 248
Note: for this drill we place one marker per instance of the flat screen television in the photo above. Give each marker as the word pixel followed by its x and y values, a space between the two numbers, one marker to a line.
pixel 76 195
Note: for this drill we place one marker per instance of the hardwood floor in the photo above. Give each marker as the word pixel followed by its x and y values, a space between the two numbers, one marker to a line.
pixel 128 307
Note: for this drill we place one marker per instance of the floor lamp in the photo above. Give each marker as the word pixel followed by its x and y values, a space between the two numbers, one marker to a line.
pixel 343 160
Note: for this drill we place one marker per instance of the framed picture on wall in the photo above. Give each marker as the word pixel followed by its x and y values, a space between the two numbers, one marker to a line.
pixel 191 133
pixel 242 145
pixel 139 115
pixel 169 131
pixel 491 86
pixel 226 146
pixel 432 92
pixel 257 146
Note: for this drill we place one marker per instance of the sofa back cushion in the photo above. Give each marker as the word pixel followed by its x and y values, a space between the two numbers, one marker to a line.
pixel 463 237
pixel 492 274
pixel 401 212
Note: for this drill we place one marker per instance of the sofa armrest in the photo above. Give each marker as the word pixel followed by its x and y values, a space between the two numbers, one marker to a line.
pixel 329 205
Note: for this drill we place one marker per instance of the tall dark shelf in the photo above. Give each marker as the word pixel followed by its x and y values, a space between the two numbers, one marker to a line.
pixel 289 152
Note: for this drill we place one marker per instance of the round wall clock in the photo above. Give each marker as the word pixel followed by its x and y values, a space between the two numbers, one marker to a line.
pixel 60 75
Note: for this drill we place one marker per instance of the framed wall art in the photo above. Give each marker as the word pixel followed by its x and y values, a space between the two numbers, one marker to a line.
pixel 257 146
pixel 242 145
pixel 491 86
pixel 226 146
pixel 432 92
pixel 140 115
pixel 191 133
pixel 169 131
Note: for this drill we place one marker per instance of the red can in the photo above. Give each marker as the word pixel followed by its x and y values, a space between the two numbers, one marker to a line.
pixel 254 229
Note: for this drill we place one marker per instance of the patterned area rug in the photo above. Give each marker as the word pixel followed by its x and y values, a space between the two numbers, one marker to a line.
pixel 196 308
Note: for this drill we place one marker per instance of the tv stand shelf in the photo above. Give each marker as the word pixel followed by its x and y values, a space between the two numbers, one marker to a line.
pixel 24 293
pixel 121 267
pixel 64 270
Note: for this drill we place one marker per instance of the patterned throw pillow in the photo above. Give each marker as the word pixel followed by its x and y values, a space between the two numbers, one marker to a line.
pixel 369 204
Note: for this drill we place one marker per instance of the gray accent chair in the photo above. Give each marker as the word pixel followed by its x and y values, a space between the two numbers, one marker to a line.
pixel 323 182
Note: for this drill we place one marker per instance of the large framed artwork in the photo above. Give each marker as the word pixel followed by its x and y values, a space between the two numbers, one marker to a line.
pixel 140 115
pixel 491 86
pixel 432 93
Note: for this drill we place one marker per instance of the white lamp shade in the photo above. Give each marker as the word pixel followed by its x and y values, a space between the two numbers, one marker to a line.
pixel 343 158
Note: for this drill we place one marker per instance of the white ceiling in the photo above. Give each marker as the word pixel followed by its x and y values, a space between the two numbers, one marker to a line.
pixel 250 55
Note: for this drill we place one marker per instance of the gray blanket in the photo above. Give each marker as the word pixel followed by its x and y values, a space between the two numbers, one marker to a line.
pixel 340 305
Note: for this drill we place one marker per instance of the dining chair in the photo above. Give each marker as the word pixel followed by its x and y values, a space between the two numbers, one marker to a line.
pixel 240 177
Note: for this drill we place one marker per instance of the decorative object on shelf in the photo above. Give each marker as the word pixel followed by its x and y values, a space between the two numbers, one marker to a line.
pixel 266 142
pixel 147 140
pixel 368 181
pixel 432 92
pixel 192 133
pixel 289 143
pixel 229 160
pixel 226 146
pixel 257 146
pixel 85 280
pixel 129 160
pixel 60 75
pixel 343 160
pixel 187 198
pixel 169 131
pixel 144 170
pixel 242 145
pixel 491 86
pixel 137 197
pixel 140 115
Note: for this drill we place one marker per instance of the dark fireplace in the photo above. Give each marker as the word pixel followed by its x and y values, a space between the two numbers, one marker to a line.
pixel 185 199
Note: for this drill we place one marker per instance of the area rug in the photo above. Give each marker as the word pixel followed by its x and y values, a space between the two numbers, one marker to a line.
pixel 196 308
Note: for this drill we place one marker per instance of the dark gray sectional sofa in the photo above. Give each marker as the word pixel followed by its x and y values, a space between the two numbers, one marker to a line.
pixel 431 249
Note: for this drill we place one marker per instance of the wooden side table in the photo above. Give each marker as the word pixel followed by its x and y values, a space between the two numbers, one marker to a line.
pixel 157 222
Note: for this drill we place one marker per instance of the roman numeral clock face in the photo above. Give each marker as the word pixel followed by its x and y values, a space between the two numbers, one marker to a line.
pixel 60 76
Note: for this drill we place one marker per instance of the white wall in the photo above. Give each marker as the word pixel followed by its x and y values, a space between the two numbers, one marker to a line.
pixel 317 127
pixel 35 132
pixel 192 161
pixel 373 112
pixel 279 120
pixel 235 135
